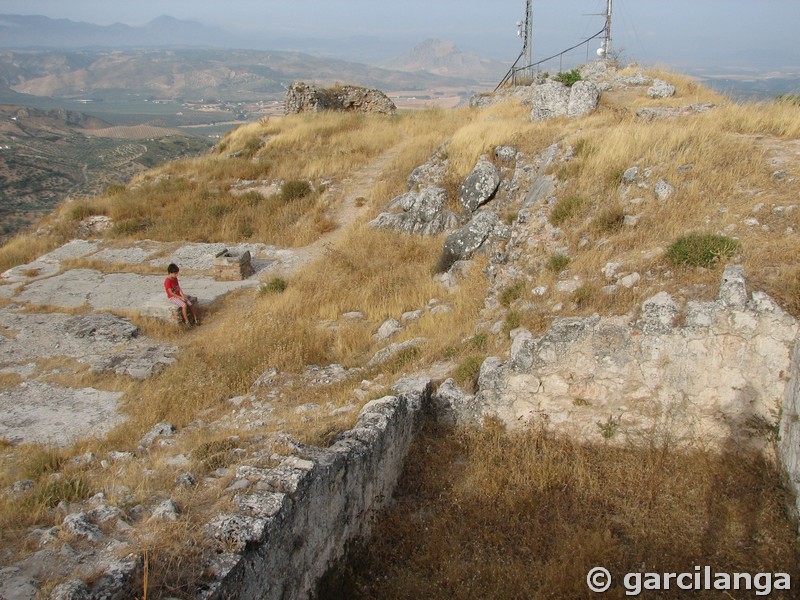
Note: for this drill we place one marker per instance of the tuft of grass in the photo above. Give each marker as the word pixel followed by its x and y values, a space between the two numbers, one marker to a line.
pixel 512 293
pixel 512 321
pixel 609 220
pixel 557 262
pixel 565 209
pixel 467 371
pixel 295 190
pixel 276 285
pixel 68 488
pixel 701 250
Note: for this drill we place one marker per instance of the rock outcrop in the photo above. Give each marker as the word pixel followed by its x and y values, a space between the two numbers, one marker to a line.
pixel 302 97
pixel 423 213
pixel 553 99
pixel 712 373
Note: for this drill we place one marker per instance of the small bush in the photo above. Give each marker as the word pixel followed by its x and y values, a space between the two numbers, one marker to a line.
pixel 557 262
pixel 479 340
pixel 131 226
pixel 565 209
pixel 295 190
pixel 80 211
pixel 610 220
pixel 511 293
pixel 513 320
pixel 699 250
pixel 219 210
pixel 276 285
pixel 252 198
pixel 569 78
pixel 467 372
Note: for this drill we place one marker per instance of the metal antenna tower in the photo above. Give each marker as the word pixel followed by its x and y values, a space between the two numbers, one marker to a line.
pixel 525 31
pixel 605 49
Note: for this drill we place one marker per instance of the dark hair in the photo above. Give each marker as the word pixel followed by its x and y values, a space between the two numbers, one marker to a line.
pixel 172 268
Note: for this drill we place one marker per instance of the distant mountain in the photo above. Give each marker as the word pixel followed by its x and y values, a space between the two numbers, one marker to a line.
pixel 444 58
pixel 23 31
pixel 193 74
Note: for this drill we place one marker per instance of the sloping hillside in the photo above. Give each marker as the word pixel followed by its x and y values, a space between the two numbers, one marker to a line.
pixel 444 58
pixel 585 218
pixel 46 156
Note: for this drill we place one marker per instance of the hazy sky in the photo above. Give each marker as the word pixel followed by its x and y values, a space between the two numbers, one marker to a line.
pixel 734 33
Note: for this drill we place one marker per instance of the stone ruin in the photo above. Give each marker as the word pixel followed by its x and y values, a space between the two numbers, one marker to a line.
pixel 232 266
pixel 303 97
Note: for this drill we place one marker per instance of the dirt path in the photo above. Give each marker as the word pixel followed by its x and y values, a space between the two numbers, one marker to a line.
pixel 344 213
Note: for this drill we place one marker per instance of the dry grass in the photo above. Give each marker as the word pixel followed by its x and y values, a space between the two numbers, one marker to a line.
pixel 485 514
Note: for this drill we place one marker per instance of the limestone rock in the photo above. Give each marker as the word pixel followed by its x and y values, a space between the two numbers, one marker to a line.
pixel 382 356
pixel 102 326
pixel 553 99
pixel 166 511
pixel 479 186
pixel 661 89
pixel 387 329
pixel 423 213
pixel 584 97
pixel 663 190
pixel 549 100
pixel 78 524
pixel 301 97
pixel 461 244
pixel 432 172
pixel 156 431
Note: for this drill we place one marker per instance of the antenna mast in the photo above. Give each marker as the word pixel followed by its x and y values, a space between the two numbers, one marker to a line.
pixel 606 47
pixel 528 47
pixel 525 31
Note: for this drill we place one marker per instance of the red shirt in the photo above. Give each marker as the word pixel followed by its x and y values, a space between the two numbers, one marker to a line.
pixel 172 285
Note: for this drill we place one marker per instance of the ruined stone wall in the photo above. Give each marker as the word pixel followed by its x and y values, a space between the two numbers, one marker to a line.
pixel 283 538
pixel 789 442
pixel 710 373
pixel 302 97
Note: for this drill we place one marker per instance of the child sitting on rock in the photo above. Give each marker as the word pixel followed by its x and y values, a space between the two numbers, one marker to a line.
pixel 175 295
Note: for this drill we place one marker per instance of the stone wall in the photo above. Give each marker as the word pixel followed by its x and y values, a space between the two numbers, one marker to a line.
pixel 302 97
pixel 789 441
pixel 301 516
pixel 710 373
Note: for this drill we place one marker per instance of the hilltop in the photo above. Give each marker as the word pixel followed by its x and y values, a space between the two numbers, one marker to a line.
pixel 445 246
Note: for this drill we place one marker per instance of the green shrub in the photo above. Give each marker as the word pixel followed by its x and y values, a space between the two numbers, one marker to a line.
pixel 479 340
pixel 295 190
pixel 513 320
pixel 701 250
pixel 511 293
pixel 276 285
pixel 565 209
pixel 467 372
pixel 557 262
pixel 80 211
pixel 569 78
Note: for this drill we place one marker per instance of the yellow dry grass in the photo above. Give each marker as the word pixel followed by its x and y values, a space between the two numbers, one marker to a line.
pixel 487 514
